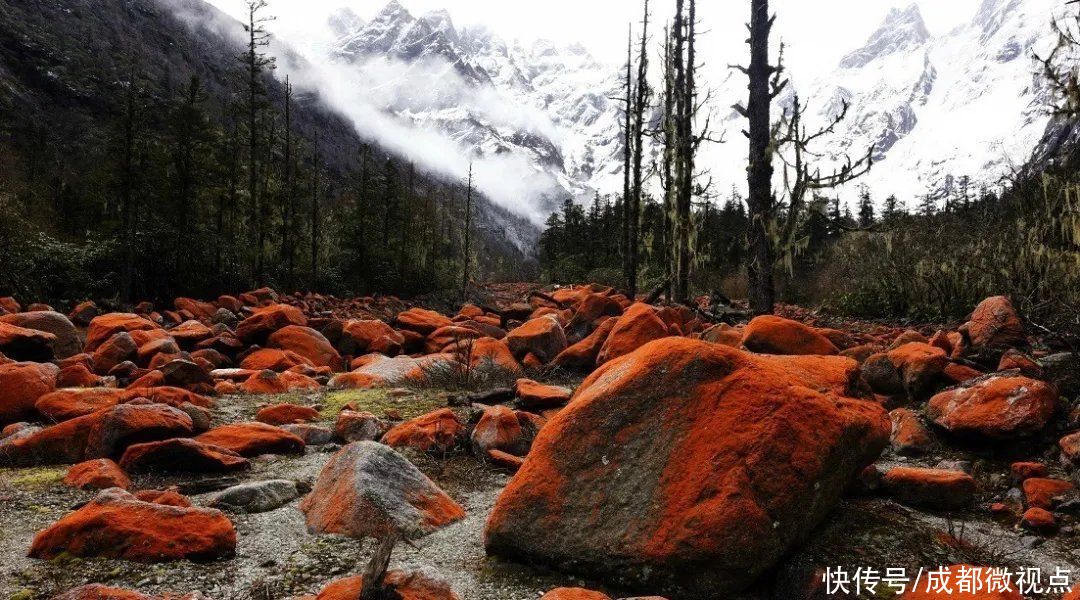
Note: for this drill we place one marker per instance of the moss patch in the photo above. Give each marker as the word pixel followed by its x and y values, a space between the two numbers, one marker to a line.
pixel 378 401
pixel 36 478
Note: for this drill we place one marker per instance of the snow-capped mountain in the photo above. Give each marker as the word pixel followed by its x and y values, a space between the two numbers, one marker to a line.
pixel 547 105
pixel 934 109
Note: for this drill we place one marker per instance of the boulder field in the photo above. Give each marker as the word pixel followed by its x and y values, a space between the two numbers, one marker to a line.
pixel 652 448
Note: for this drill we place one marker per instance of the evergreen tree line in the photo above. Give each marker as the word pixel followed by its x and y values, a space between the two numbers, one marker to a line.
pixel 181 189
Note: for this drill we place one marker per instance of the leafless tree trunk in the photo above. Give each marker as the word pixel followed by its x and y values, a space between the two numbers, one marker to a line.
pixel 466 259
pixel 629 271
pixel 641 104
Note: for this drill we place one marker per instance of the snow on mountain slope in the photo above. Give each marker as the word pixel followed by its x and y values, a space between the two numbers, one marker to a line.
pixel 967 103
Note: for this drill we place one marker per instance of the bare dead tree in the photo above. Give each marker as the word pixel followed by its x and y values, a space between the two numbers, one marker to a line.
pixel 467 254
pixel 766 83
pixel 629 275
pixel 642 100
pixel 769 238
pixel 802 176
pixel 374 574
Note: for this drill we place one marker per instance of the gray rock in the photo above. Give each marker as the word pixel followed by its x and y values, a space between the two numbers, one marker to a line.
pixel 367 490
pixel 256 497
pixel 313 435
pixel 67 342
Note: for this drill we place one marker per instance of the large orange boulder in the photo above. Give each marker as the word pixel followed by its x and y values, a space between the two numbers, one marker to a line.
pixel 270 382
pixel 372 336
pixel 273 359
pixel 912 368
pixel 945 584
pixel 253 439
pixel 532 395
pixel 688 467
pixel 638 326
pixel 542 337
pixel 196 308
pixel 19 343
pixel 909 435
pixel 498 429
pixel 369 490
pixel 994 326
pixel 930 488
pixel 489 353
pixel 382 371
pixel 96 591
pixel 67 342
pixel 21 385
pixel 1045 493
pixel 97 474
pixel 181 455
pixel 996 407
pixel 775 335
pixel 574 594
pixel 422 321
pixel 581 356
pixel 286 414
pixel 105 326
pixel 117 525
pixel 268 319
pixel 308 343
pixel 113 430
pixel 406 586
pixel 439 431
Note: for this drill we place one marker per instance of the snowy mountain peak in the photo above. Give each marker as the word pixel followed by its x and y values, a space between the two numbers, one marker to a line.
pixel 393 11
pixel 903 30
pixel 440 22
pixel 345 21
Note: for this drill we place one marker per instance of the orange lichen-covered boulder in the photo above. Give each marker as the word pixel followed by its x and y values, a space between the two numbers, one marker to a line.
pixel 253 439
pixel 422 321
pixel 372 336
pixel 995 326
pixel 382 371
pixel 114 429
pixel 269 382
pixel 273 359
pixel 285 414
pixel 946 585
pixel 407 586
pixel 21 385
pixel 490 353
pixel 67 341
pixel 537 396
pixel 688 467
pixel 638 326
pixel 181 455
pixel 268 319
pixel 909 436
pixel 369 490
pixel 97 591
pixel 105 326
pixel 450 338
pixel 117 525
pixel 498 429
pixel 20 343
pixel 930 488
pixel 439 431
pixel 996 407
pixel 775 335
pixel 1044 493
pixel 574 594
pixel 543 337
pixel 115 350
pixel 912 368
pixel 308 343
pixel 582 355
pixel 98 474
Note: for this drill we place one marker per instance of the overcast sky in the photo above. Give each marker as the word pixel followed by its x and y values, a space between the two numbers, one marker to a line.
pixel 818 32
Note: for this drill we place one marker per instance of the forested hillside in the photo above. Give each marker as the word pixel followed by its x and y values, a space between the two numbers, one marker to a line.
pixel 149 156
